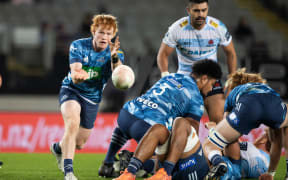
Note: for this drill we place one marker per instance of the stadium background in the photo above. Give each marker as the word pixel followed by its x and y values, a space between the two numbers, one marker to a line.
pixel 34 42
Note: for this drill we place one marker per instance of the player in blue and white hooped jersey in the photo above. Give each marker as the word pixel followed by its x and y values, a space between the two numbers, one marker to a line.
pixel 175 95
pixel 92 61
pixel 197 37
pixel 250 103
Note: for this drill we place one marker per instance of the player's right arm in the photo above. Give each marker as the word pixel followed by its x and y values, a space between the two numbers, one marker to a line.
pixel 78 75
pixel 162 58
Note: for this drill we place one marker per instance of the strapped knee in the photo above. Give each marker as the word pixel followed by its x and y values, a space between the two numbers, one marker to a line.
pixel 217 139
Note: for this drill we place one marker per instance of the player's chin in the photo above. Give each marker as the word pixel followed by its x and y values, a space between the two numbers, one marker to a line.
pixel 102 45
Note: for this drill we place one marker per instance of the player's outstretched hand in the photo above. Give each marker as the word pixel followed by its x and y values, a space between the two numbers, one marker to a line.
pixel 266 176
pixel 79 76
pixel 114 46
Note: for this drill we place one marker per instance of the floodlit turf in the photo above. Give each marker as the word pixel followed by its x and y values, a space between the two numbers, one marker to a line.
pixel 43 167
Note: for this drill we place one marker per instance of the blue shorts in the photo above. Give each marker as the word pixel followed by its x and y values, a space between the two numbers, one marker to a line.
pixel 88 110
pixel 192 168
pixel 131 126
pixel 255 109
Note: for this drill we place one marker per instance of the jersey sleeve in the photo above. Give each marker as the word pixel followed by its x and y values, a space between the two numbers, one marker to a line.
pixel 121 55
pixel 196 108
pixel 75 54
pixel 170 37
pixel 225 36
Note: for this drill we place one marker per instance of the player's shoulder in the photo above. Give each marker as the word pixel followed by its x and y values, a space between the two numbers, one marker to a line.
pixel 180 23
pixel 82 42
pixel 215 23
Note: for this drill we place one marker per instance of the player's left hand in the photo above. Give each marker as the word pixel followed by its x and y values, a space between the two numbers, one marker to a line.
pixel 266 176
pixel 114 46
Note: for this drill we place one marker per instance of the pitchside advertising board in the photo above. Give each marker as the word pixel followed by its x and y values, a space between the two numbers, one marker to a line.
pixel 34 132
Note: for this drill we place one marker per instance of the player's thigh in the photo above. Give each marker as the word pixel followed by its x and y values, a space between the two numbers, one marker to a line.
pixel 227 131
pixel 69 105
pixel 71 111
pixel 82 137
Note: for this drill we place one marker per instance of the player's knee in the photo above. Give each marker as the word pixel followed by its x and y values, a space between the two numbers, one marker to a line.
pixel 80 144
pixel 181 124
pixel 72 127
pixel 192 140
pixel 159 131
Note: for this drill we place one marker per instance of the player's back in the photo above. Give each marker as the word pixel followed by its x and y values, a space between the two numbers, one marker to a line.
pixel 176 95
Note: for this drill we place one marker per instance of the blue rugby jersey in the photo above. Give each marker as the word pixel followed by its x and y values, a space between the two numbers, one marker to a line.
pixel 248 88
pixel 193 45
pixel 97 64
pixel 175 95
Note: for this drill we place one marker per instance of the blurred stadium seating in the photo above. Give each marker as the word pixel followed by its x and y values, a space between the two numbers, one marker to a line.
pixel 35 36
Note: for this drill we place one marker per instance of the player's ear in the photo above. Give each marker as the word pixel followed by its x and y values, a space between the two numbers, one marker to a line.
pixel 204 79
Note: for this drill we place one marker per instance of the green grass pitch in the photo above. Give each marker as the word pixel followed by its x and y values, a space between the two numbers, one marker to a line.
pixel 43 167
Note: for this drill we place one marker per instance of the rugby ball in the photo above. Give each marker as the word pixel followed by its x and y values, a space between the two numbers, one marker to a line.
pixel 123 77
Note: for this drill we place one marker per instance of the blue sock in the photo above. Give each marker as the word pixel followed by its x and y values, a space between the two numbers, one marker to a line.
pixel 134 165
pixel 168 166
pixel 148 165
pixel 216 159
pixel 118 140
pixel 57 148
pixel 68 165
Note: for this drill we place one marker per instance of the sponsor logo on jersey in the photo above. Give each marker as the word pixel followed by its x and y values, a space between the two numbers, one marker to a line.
pixel 196 52
pixel 214 24
pixel 93 72
pixel 147 102
pixel 184 23
pixel 187 164
pixel 174 82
